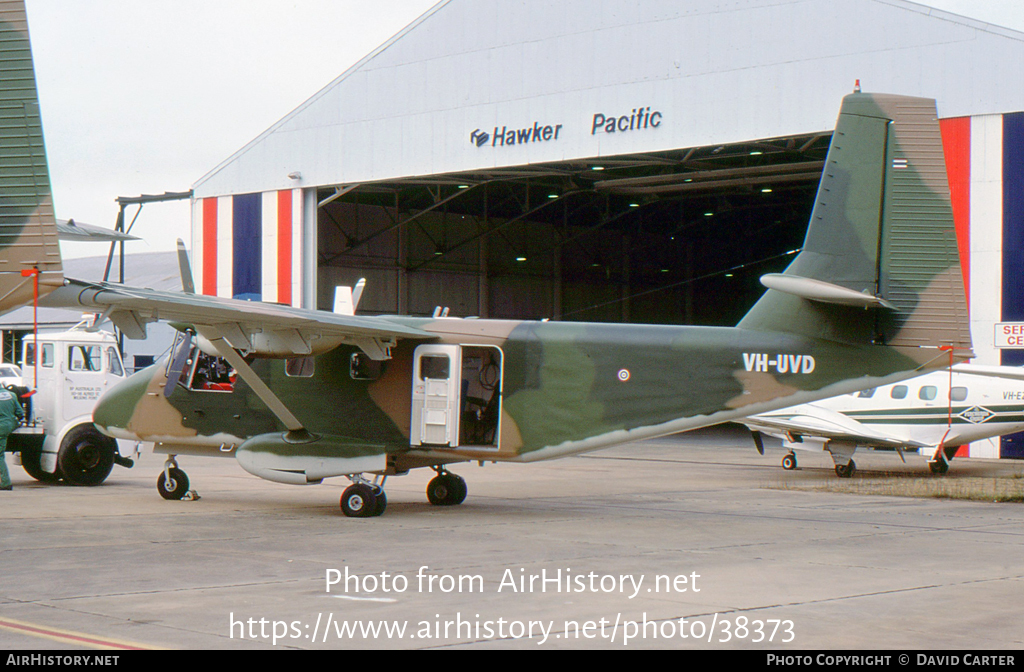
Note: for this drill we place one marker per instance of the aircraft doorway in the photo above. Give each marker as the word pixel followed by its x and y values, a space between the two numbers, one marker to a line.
pixel 456 399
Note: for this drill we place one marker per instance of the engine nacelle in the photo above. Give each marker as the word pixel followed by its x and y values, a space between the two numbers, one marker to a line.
pixel 276 458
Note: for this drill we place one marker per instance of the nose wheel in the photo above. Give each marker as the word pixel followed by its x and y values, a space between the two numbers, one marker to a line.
pixel 172 483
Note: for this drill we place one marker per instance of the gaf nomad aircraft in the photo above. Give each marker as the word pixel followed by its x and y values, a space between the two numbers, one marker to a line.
pixel 296 396
pixel 934 415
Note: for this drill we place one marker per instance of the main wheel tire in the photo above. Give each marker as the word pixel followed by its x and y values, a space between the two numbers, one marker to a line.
pixel 86 456
pixel 447 490
pixel 31 462
pixel 846 470
pixel 176 488
pixel 362 500
pixel 382 504
pixel 939 467
pixel 789 462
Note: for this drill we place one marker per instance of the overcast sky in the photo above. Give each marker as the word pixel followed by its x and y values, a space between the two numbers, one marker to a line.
pixel 148 96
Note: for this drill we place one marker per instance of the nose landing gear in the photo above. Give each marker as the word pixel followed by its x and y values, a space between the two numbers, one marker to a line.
pixel 172 484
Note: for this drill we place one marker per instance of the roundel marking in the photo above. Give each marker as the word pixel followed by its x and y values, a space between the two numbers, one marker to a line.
pixel 624 375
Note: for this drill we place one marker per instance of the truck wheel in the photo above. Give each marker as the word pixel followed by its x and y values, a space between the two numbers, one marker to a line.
pixel 31 461
pixel 86 456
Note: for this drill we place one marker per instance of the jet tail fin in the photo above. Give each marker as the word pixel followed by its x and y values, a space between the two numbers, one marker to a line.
pixel 28 230
pixel 880 263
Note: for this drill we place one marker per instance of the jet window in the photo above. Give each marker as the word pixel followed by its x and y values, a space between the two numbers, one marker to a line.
pixel 928 393
pixel 85 358
pixel 866 394
pixel 899 392
pixel 958 394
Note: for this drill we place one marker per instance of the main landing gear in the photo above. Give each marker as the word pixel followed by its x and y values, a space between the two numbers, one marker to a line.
pixel 789 462
pixel 365 499
pixel 939 467
pixel 446 489
pixel 846 470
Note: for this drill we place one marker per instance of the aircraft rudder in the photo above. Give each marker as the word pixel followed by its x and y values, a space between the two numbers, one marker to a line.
pixel 28 229
pixel 881 237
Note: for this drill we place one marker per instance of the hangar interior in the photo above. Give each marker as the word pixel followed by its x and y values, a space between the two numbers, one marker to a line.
pixel 646 238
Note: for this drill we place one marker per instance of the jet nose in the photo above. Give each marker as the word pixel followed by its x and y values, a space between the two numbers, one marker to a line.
pixel 116 408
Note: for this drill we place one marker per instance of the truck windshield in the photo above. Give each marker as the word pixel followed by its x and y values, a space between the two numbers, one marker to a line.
pixel 85 358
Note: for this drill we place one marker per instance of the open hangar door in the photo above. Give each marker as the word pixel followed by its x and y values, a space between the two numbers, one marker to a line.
pixel 678 237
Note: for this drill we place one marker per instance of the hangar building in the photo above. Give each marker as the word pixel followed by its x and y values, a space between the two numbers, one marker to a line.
pixel 608 160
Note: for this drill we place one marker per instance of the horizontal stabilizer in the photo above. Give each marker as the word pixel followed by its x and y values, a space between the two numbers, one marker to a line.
pixel 826 292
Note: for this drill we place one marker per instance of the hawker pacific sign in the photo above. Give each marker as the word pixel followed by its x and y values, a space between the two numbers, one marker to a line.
pixel 640 119
pixel 510 137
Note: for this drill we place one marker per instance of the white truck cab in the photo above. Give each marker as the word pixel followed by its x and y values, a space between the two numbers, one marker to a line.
pixel 69 371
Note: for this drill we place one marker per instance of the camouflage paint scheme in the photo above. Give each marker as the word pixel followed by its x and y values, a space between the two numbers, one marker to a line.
pixel 564 390
pixel 28 230
pixel 881 238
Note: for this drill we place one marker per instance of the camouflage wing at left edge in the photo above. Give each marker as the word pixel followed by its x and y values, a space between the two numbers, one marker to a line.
pixel 264 329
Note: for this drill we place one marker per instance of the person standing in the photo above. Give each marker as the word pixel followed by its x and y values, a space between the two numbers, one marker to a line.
pixel 11 414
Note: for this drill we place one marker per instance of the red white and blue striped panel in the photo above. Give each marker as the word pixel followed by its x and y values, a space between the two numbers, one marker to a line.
pixel 249 246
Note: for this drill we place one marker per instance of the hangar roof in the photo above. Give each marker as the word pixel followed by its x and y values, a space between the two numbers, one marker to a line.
pixel 478 85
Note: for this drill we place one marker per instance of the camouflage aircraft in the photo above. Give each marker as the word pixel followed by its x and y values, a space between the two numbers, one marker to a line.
pixel 297 396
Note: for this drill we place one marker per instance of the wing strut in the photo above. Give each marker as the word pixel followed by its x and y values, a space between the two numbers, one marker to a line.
pixel 296 429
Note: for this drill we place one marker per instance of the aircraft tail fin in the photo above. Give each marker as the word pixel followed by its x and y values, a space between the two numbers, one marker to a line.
pixel 880 263
pixel 28 230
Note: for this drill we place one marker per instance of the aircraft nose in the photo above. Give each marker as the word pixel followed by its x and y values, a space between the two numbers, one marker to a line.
pixel 115 409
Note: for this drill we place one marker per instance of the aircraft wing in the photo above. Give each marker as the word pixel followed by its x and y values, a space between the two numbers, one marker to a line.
pixel 266 329
pixel 815 421
pixel 71 230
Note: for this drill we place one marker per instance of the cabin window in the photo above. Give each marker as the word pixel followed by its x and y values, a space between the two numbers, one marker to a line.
pixel 958 394
pixel 899 392
pixel 300 367
pixel 85 358
pixel 30 355
pixel 361 367
pixel 211 374
pixel 866 394
pixel 114 366
pixel 928 393
pixel 435 367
